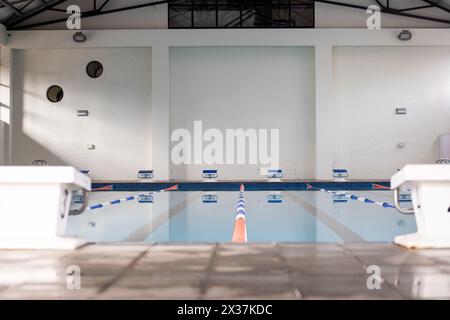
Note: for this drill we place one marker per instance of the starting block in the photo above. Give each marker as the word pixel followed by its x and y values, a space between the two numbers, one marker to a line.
pixel 35 206
pixel 275 174
pixel 275 197
pixel 339 175
pixel 430 192
pixel 210 175
pixel 209 198
pixel 339 197
pixel 145 174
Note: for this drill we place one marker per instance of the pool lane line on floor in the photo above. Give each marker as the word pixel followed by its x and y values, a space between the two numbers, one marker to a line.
pixel 341 230
pixel 129 198
pixel 142 233
pixel 382 195
pixel 240 223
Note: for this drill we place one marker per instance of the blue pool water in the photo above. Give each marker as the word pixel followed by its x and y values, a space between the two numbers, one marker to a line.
pixel 303 216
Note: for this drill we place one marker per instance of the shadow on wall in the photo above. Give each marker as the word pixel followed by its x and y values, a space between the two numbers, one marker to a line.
pixel 113 140
pixel 35 152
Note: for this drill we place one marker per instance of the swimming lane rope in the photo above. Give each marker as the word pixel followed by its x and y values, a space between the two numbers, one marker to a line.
pixel 130 198
pixel 240 224
pixel 353 197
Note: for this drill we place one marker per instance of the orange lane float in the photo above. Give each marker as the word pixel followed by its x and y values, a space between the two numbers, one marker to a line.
pixel 240 224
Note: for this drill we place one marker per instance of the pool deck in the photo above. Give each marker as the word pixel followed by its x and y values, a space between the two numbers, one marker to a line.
pixel 226 271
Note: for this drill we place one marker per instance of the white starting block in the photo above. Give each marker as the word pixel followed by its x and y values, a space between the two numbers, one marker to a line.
pixel 430 191
pixel 274 175
pixel 210 175
pixel 339 175
pixel 35 206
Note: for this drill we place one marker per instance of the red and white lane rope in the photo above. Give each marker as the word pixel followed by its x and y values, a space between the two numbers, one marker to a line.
pixel 130 198
pixel 240 223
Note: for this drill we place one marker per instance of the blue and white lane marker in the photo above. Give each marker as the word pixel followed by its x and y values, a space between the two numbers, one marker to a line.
pixel 240 223
pixel 353 197
pixel 130 198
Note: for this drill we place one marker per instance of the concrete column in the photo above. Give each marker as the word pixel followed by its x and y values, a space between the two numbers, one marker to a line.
pixel 161 112
pixel 326 122
pixel 5 105
pixel 3 35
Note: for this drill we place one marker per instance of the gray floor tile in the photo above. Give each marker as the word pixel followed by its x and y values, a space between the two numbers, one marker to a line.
pixel 227 271
pixel 433 253
pixel 249 287
pixel 372 246
pixel 424 286
pixel 341 287
pixel 239 293
pixel 329 269
pixel 414 269
pixel 195 248
pixel 381 257
pixel 306 250
pixel 325 262
pixel 160 293
pixel 23 256
pixel 47 291
pixel 20 274
pixel 161 279
pixel 248 250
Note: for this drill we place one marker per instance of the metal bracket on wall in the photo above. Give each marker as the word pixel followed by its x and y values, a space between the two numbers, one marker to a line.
pixel 82 113
pixel 401 111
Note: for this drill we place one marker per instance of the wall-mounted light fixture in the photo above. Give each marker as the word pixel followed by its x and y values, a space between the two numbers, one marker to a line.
pixel 83 113
pixel 401 111
pixel 405 35
pixel 79 37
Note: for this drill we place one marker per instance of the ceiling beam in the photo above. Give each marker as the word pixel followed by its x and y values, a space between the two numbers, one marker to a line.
pixel 386 10
pixel 19 16
pixel 92 13
pixel 10 22
pixel 11 7
pixel 437 5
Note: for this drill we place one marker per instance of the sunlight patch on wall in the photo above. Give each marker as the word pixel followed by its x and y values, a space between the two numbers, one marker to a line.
pixel 5 114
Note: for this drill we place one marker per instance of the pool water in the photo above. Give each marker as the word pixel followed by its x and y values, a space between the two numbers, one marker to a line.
pixel 301 217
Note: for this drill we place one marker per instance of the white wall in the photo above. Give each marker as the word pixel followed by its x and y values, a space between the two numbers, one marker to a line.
pixel 247 87
pixel 119 103
pixel 327 126
pixel 370 83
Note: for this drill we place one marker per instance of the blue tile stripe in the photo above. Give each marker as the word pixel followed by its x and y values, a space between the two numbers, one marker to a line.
pixel 354 198
pixel 249 186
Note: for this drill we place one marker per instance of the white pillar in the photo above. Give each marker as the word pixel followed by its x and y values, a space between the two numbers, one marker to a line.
pixel 3 34
pixel 5 104
pixel 161 112
pixel 3 116
pixel 326 124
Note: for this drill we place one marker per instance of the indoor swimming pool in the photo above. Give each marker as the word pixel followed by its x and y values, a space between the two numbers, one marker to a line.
pixel 271 216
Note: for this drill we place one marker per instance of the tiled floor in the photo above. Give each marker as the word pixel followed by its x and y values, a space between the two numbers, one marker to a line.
pixel 266 271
